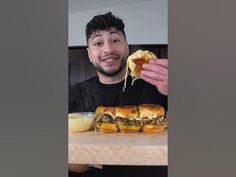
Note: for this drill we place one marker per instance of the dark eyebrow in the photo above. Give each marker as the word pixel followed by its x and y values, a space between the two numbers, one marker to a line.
pixel 115 32
pixel 94 36
pixel 97 34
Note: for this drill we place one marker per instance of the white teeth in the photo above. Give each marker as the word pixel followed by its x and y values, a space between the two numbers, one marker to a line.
pixel 109 59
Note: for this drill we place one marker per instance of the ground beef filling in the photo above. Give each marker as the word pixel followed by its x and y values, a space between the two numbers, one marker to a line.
pixel 154 121
pixel 104 118
pixel 127 122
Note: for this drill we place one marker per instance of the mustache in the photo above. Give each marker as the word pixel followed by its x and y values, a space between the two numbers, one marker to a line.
pixel 107 56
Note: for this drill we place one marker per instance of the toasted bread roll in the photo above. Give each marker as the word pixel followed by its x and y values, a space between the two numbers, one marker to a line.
pixel 105 119
pixel 152 118
pixel 106 110
pixel 151 111
pixel 126 117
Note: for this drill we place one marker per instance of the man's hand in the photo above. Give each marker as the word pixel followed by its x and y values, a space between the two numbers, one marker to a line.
pixel 78 168
pixel 156 73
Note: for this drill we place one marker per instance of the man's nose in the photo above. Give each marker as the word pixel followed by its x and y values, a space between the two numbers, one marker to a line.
pixel 108 48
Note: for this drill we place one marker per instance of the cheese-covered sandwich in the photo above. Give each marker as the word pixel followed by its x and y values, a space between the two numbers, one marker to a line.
pixel 152 118
pixel 127 119
pixel 105 119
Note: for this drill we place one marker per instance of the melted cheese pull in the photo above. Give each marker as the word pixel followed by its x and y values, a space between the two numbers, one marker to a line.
pixel 134 65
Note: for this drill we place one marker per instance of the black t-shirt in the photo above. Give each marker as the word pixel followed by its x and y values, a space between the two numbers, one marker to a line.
pixel 90 94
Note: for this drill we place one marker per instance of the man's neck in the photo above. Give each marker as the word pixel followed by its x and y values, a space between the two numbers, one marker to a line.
pixel 111 79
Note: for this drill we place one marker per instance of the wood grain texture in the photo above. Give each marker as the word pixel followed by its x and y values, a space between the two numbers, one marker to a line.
pixel 118 148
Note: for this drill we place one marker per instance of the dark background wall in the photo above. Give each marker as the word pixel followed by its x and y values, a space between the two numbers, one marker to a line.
pixel 81 69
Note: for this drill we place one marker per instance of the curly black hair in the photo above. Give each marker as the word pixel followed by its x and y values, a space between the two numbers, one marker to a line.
pixel 104 22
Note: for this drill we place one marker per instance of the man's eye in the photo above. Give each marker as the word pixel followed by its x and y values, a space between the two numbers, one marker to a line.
pixel 116 40
pixel 98 44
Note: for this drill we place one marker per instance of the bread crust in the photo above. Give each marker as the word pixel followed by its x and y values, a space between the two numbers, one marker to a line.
pixel 129 112
pixel 110 110
pixel 107 127
pixel 151 111
pixel 129 129
pixel 153 129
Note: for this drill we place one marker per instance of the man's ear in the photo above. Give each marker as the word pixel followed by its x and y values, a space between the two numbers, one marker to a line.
pixel 89 54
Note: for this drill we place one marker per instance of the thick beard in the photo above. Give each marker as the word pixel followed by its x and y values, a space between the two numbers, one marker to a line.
pixel 111 73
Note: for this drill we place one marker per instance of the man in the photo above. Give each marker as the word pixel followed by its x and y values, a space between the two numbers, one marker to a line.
pixel 108 51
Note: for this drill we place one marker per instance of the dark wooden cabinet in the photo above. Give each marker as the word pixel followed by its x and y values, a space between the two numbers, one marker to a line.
pixel 81 69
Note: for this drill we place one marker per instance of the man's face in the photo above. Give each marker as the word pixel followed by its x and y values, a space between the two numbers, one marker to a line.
pixel 108 51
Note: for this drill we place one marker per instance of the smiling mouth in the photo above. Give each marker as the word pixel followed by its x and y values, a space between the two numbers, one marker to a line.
pixel 109 58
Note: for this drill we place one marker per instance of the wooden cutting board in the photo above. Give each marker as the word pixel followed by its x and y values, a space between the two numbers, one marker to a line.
pixel 118 149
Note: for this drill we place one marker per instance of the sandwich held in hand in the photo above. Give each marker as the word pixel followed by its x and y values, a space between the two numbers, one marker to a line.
pixel 135 64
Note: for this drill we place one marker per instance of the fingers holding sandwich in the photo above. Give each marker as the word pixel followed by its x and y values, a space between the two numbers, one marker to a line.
pixel 157 65
pixel 156 73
